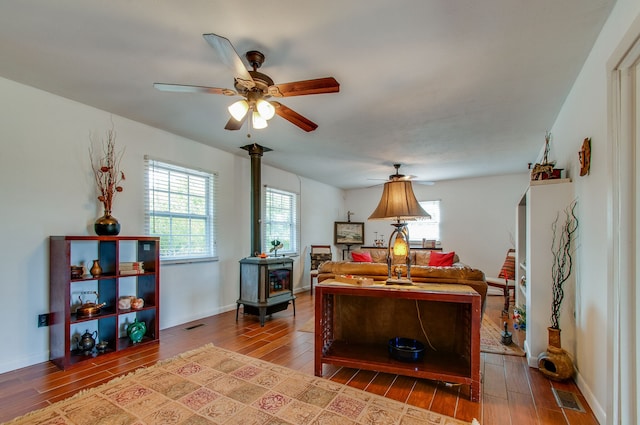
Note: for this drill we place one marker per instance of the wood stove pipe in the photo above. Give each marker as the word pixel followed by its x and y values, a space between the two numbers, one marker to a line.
pixel 255 152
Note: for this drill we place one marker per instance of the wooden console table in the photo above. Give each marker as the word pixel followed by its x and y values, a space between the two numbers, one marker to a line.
pixel 354 324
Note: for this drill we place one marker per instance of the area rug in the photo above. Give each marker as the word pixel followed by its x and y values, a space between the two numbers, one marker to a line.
pixel 490 338
pixel 211 385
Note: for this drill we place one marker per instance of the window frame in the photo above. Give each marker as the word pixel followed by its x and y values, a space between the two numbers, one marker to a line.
pixel 436 218
pixel 210 209
pixel 293 221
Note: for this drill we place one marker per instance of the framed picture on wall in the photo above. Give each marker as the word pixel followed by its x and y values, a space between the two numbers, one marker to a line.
pixel 348 233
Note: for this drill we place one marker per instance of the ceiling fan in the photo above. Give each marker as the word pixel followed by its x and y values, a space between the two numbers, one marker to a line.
pixel 399 177
pixel 255 88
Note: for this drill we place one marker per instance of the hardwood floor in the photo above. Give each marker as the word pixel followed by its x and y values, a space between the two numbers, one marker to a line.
pixel 512 393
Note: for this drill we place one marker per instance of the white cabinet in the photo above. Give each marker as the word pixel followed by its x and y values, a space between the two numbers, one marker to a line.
pixel 535 213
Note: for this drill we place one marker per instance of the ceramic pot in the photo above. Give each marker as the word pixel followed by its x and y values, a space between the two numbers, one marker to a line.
pixel 107 225
pixel 136 331
pixel 137 303
pixel 95 270
pixel 555 363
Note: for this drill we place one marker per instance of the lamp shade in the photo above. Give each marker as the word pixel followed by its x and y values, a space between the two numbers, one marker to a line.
pixel 257 121
pixel 238 109
pixel 398 202
pixel 267 111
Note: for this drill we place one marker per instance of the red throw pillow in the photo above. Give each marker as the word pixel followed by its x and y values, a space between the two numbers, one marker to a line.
pixel 361 257
pixel 441 259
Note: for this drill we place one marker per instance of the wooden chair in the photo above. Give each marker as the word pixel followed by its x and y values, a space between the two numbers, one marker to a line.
pixel 318 254
pixel 506 278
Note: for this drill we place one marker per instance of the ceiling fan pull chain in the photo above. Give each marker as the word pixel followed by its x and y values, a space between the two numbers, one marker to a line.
pixel 249 125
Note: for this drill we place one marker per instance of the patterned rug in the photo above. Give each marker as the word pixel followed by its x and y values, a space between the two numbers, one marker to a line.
pixel 490 338
pixel 211 385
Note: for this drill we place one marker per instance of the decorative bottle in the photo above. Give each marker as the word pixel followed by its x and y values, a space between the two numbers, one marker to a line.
pixel 96 270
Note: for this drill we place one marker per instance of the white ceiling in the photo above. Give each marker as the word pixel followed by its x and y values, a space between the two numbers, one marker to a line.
pixel 449 88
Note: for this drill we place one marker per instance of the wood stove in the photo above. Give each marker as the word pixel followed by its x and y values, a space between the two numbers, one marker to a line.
pixel 265 286
pixel 265 283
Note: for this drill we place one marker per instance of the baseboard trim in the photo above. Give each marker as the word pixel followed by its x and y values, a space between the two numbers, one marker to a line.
pixel 598 411
pixel 25 361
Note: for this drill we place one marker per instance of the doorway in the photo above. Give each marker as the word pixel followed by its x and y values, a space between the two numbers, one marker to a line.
pixel 624 222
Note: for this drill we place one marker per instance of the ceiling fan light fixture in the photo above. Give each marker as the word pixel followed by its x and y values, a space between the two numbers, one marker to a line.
pixel 257 121
pixel 267 111
pixel 239 109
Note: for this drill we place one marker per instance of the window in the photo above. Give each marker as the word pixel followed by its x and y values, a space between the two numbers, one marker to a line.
pixel 426 229
pixel 280 220
pixel 180 209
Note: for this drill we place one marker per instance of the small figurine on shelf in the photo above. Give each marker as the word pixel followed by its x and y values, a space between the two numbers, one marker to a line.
pixel 545 169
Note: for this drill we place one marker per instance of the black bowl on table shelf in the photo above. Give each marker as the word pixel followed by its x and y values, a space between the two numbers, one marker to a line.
pixel 406 349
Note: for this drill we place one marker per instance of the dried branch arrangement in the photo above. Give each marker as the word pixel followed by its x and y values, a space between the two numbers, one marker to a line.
pixel 106 170
pixel 562 250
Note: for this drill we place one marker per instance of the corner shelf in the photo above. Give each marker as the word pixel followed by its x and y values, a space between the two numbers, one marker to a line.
pixel 535 213
pixel 111 323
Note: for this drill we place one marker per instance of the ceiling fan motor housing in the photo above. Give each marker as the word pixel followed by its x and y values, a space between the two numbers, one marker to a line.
pixel 263 82
pixel 255 58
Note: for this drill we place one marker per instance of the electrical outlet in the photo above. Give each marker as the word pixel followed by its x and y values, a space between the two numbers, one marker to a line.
pixel 43 320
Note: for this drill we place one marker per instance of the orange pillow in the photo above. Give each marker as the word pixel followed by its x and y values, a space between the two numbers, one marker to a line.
pixel 361 257
pixel 441 259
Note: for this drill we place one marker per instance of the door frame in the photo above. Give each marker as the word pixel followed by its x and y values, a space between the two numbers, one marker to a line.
pixel 623 319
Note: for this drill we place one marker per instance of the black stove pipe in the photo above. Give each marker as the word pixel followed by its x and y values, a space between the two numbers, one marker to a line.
pixel 255 152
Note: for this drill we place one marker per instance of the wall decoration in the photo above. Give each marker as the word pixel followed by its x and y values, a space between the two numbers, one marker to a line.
pixel 109 178
pixel 348 233
pixel 585 157
pixel 545 169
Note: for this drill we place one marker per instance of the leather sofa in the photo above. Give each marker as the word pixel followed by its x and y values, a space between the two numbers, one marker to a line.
pixel 421 272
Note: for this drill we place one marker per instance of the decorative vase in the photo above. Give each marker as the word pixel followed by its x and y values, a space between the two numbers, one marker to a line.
pixel 107 225
pixel 95 270
pixel 136 331
pixel 555 363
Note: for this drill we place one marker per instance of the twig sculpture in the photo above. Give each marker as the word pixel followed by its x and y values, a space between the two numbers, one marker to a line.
pixel 562 250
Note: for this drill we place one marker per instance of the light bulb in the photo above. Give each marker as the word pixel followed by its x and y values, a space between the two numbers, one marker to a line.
pixel 258 122
pixel 267 111
pixel 239 109
pixel 400 245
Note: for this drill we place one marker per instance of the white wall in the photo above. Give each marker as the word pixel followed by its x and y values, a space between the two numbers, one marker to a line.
pixel 478 216
pixel 47 189
pixel 320 204
pixel 584 114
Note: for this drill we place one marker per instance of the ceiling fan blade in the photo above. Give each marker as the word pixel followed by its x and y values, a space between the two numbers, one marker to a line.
pixel 193 89
pixel 300 88
pixel 405 177
pixel 294 117
pixel 234 124
pixel 230 58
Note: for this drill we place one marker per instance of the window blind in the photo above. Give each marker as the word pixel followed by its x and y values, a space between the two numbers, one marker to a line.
pixel 427 228
pixel 180 208
pixel 280 220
